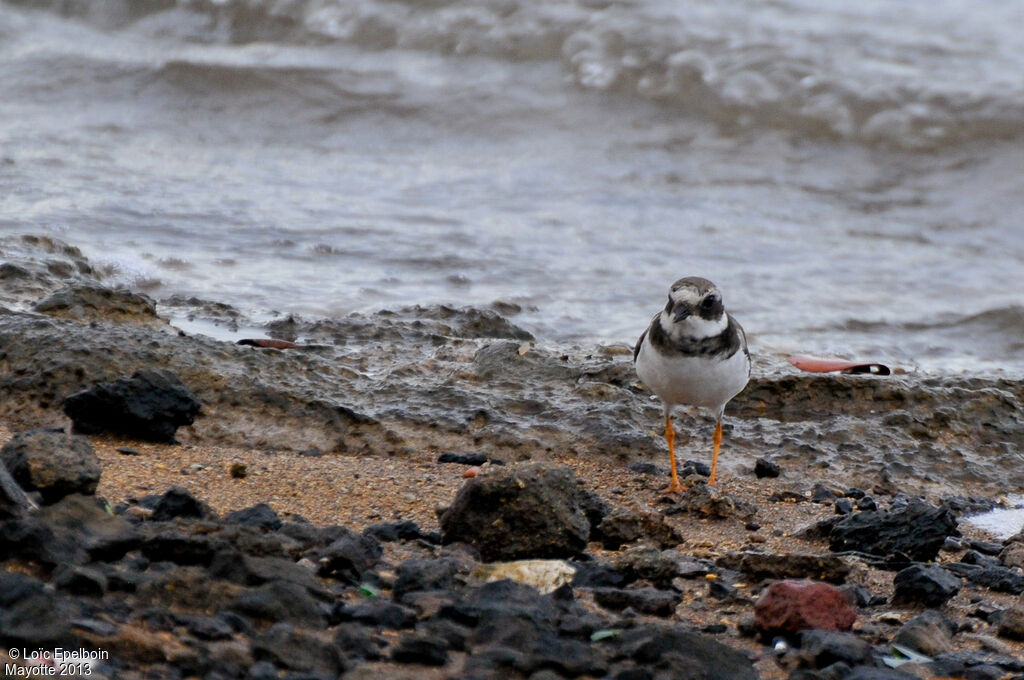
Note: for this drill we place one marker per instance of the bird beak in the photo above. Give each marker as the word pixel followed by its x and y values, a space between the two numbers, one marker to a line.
pixel 682 311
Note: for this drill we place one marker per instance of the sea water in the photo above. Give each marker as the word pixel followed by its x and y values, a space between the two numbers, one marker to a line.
pixel 852 176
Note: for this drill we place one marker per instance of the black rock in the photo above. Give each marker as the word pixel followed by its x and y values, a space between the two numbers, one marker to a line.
pixel 52 463
pixel 426 574
pixel 463 458
pixel 262 670
pixel 766 468
pixel 29 614
pixel 405 530
pixel 644 600
pixel 349 557
pixel 918 530
pixel 79 580
pixel 764 565
pixel 248 570
pixel 14 502
pixel 354 641
pixel 854 492
pixel 928 585
pixel 976 558
pixel 181 547
pixel 929 633
pixel 179 502
pixel 595 574
pixel 426 650
pixel 695 467
pixel 872 673
pixel 531 510
pixel 376 612
pixel 625 525
pixel 260 515
pixel 866 503
pixel 822 494
pixel 986 547
pixel 150 405
pixel 844 506
pixel 299 650
pixel 502 600
pixel 645 467
pixel 821 648
pixel 75 530
pixel 999 579
pixel 206 627
pixel 279 601
pixel 657 566
pixel 678 652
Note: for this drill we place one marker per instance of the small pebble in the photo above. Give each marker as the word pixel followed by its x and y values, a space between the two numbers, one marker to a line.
pixel 239 470
pixel 854 492
pixel 128 451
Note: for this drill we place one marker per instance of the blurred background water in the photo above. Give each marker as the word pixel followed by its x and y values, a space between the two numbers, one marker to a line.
pixel 851 175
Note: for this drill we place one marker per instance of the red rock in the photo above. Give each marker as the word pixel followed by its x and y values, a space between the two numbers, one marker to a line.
pixel 791 606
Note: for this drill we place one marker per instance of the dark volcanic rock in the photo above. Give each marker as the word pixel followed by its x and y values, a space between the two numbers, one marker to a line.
pixel 822 648
pixel 769 565
pixel 421 649
pixel 766 468
pixel 644 600
pixel 75 530
pixel 299 650
pixel 279 601
pixel 1011 623
pixel 376 612
pixel 624 525
pixel 248 570
pixel 80 580
pixel 260 515
pixel 28 613
pixel 929 633
pixel 405 530
pixel 53 463
pixel 13 500
pixel 349 557
pixel 178 545
pixel 179 502
pixel 419 575
pixel 918 530
pixel 929 585
pixel 791 606
pixel 999 579
pixel 523 511
pixel 680 653
pixel 150 405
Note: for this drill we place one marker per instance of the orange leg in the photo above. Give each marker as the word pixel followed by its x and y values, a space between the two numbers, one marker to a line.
pixel 670 437
pixel 714 455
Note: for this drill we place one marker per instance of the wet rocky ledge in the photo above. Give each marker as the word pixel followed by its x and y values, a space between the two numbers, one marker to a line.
pixel 834 548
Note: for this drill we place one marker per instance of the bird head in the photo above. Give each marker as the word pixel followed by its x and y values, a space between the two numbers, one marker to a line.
pixel 694 309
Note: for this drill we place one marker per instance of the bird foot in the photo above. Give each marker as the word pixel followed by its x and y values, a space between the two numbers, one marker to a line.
pixel 675 487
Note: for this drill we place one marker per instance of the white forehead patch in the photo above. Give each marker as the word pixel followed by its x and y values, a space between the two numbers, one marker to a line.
pixel 688 294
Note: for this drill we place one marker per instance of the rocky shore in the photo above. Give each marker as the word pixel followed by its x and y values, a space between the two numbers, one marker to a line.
pixel 434 493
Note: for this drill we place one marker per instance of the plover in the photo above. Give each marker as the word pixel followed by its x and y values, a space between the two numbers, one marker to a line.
pixel 693 353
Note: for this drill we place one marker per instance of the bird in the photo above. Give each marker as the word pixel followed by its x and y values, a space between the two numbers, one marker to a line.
pixel 693 353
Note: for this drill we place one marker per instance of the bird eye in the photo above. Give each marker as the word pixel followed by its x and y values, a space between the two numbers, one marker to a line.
pixel 708 302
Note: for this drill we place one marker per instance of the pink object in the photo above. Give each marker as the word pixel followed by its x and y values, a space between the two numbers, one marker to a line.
pixel 817 365
pixel 791 606
pixel 471 472
pixel 269 343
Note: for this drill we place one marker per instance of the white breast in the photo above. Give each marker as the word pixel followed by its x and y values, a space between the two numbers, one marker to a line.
pixel 698 381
